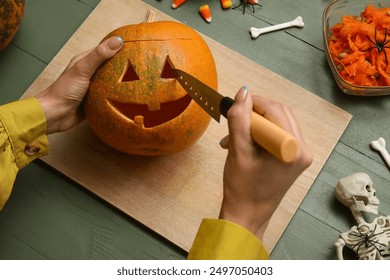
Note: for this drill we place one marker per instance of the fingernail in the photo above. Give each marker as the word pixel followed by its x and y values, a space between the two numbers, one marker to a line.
pixel 242 93
pixel 245 88
pixel 115 43
pixel 224 143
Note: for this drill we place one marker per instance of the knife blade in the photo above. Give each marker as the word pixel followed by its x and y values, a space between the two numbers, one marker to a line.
pixel 268 135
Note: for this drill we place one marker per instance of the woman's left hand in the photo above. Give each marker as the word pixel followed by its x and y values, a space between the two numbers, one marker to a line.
pixel 61 101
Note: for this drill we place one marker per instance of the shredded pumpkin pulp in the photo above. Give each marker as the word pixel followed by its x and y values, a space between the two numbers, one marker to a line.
pixel 360 47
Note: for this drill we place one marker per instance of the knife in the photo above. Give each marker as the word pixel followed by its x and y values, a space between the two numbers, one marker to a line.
pixel 268 135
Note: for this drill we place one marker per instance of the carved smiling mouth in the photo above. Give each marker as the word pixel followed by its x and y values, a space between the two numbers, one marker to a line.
pixel 155 116
pixel 142 116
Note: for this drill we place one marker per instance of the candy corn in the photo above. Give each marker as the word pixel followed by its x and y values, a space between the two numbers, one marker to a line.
pixel 226 4
pixel 205 12
pixel 177 3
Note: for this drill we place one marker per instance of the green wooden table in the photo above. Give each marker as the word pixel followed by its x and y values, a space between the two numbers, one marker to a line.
pixel 50 217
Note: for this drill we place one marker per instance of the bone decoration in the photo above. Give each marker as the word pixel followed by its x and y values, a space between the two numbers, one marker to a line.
pixel 256 32
pixel 380 146
pixel 368 240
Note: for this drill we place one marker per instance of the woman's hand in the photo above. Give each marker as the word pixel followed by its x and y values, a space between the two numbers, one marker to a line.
pixel 254 181
pixel 61 101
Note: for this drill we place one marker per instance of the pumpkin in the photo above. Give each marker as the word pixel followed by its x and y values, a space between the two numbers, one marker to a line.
pixel 11 14
pixel 133 107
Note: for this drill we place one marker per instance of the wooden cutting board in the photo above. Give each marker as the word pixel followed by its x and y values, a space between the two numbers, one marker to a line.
pixel 172 194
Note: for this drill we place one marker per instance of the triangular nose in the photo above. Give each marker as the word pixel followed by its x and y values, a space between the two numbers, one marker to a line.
pixel 168 71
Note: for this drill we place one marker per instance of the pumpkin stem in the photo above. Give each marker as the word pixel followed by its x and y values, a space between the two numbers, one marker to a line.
pixel 150 16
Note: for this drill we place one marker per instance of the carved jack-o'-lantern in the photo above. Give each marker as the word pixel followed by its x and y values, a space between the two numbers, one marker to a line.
pixel 11 14
pixel 133 107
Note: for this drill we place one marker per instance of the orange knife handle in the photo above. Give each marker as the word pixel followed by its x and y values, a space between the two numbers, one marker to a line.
pixel 273 138
pixel 268 135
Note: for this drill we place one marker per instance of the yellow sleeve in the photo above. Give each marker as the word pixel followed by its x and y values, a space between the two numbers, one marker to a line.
pixel 224 240
pixel 22 139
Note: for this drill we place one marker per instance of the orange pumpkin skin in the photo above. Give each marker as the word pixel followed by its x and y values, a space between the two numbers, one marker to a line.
pixel 11 15
pixel 142 113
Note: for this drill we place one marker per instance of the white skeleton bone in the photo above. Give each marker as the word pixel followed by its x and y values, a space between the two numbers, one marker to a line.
pixel 380 146
pixel 370 241
pixel 256 32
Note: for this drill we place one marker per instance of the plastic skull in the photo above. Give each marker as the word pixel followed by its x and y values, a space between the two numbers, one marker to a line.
pixel 358 189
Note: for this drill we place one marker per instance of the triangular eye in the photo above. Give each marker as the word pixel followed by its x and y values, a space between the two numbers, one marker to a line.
pixel 129 73
pixel 167 72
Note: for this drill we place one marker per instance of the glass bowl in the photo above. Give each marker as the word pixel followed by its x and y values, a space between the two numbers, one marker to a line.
pixel 332 15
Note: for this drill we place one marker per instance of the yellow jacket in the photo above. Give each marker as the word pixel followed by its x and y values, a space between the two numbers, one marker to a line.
pixel 23 139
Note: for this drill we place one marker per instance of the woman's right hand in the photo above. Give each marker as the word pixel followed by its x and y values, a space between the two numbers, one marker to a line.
pixel 255 182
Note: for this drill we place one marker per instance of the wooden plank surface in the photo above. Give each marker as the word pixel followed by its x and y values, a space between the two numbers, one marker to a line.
pixel 167 194
pixel 321 218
